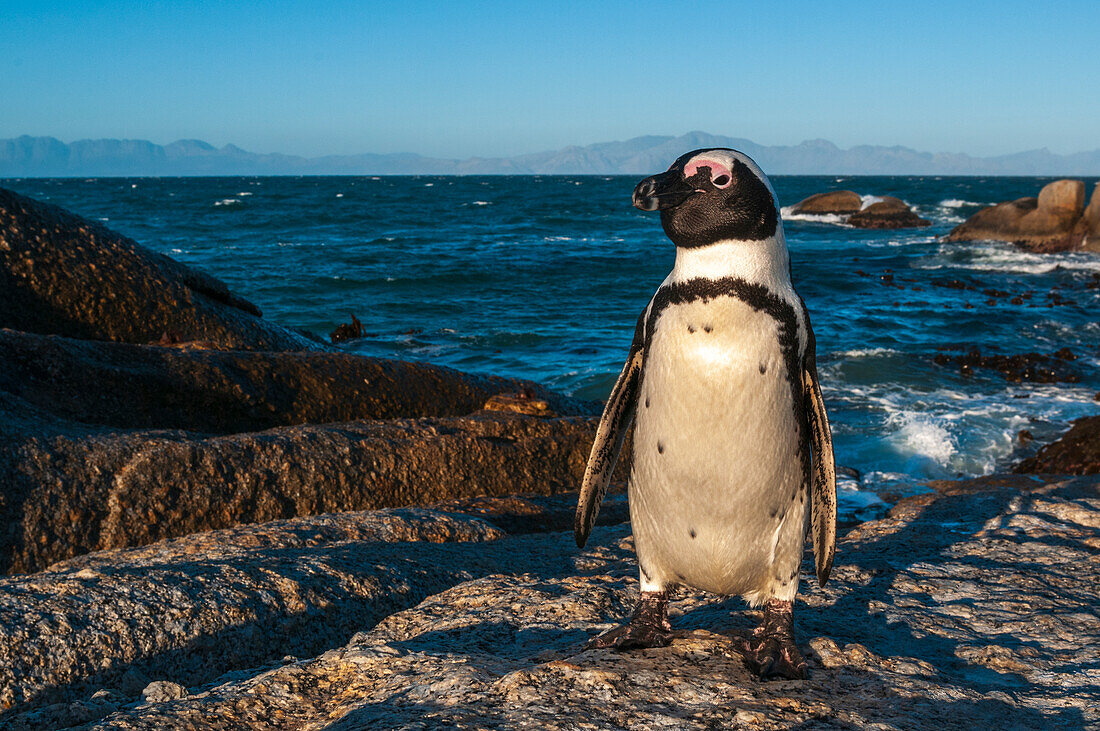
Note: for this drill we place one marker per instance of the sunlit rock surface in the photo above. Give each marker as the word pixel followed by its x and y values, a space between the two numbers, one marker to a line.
pixel 971 607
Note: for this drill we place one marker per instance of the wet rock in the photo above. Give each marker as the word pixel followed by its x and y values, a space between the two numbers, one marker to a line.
pixel 1052 222
pixel 888 213
pixel 1032 367
pixel 348 331
pixel 67 488
pixel 223 392
pixel 63 274
pixel 975 604
pixel 1077 452
pixel 840 202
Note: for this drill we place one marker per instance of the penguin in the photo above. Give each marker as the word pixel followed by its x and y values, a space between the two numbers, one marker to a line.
pixel 731 460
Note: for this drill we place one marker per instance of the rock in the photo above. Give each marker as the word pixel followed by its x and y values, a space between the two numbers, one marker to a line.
pixel 160 691
pixel 63 274
pixel 223 392
pixel 194 608
pixel 1090 222
pixel 348 331
pixel 889 212
pixel 67 488
pixel 1064 194
pixel 1077 452
pixel 974 603
pixel 1031 367
pixel 518 514
pixel 836 202
pixel 1052 222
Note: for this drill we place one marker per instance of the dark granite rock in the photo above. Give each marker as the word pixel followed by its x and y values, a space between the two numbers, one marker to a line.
pixel 840 202
pixel 222 392
pixel 62 274
pixel 971 607
pixel 1077 452
pixel 889 212
pixel 68 488
pixel 348 331
pixel 1031 367
pixel 1052 222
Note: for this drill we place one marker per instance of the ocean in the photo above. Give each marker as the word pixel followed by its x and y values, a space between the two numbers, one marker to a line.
pixel 543 277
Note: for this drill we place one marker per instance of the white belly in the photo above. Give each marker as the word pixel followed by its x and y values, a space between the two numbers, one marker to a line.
pixel 716 489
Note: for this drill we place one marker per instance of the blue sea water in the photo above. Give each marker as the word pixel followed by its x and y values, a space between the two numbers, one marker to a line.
pixel 543 277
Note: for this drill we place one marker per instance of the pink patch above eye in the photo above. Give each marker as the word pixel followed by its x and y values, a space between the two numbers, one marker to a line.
pixel 717 170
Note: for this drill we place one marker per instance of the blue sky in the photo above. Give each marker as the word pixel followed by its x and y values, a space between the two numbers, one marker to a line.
pixel 457 79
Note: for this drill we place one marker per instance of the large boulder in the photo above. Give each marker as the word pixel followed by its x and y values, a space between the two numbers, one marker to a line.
pixel 1068 195
pixel 66 275
pixel 68 488
pixel 1090 222
pixel 221 392
pixel 889 212
pixel 1051 222
pixel 978 597
pixel 1077 452
pixel 840 202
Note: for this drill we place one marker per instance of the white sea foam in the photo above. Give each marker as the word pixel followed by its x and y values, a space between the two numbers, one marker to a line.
pixel 922 435
pixel 956 203
pixel 104 219
pixel 244 192
pixel 865 352
pixel 994 257
pixel 481 203
pixel 866 200
pixel 428 185
pixel 339 195
pixel 375 178
pixel 227 202
pixel 788 214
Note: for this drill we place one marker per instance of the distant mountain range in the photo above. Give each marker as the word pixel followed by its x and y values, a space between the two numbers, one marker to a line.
pixel 49 157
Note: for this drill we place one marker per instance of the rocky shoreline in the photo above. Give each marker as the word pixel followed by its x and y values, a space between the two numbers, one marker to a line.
pixel 970 606
pixel 204 522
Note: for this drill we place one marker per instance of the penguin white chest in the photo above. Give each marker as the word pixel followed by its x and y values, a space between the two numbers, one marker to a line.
pixel 716 489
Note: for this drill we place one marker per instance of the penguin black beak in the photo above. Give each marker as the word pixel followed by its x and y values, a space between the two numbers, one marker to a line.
pixel 667 190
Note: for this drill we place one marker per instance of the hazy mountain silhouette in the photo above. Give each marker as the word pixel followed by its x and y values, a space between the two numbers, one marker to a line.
pixel 48 157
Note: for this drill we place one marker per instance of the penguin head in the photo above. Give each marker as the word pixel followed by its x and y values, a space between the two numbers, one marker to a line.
pixel 711 195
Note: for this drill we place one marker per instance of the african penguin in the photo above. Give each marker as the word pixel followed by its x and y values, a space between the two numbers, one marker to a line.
pixel 732 454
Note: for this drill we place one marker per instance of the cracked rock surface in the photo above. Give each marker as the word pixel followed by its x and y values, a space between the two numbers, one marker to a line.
pixel 972 607
pixel 67 488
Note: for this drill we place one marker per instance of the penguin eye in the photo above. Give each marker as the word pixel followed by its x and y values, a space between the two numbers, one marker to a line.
pixel 720 174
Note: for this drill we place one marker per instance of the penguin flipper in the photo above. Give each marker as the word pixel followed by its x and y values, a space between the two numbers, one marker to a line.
pixel 823 478
pixel 617 417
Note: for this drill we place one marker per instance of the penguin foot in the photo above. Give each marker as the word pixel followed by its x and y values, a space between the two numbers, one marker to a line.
pixel 648 627
pixel 770 651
